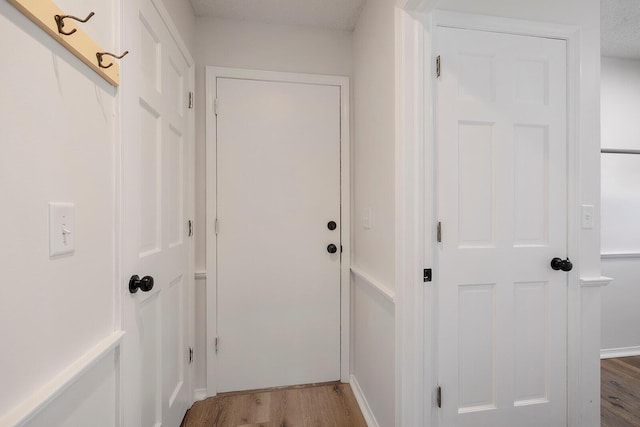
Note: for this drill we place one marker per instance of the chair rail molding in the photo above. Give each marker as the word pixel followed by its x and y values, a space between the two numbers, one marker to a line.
pixel 595 282
pixel 379 287
pixel 619 255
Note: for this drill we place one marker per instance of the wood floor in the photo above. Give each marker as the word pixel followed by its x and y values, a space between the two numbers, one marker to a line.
pixel 333 404
pixel 318 405
pixel 620 392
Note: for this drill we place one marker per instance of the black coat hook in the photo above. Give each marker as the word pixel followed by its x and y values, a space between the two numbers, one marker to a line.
pixel 99 55
pixel 60 21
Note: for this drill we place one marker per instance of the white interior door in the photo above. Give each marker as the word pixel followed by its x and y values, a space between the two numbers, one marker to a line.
pixel 278 187
pixel 156 153
pixel 502 202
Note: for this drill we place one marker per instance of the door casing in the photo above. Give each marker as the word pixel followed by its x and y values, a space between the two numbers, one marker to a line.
pixel 212 73
pixel 416 354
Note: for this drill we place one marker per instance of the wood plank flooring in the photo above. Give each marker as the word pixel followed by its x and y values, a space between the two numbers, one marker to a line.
pixel 318 405
pixel 620 392
pixel 333 404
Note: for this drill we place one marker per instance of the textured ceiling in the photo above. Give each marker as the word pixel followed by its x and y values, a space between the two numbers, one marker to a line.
pixel 620 26
pixel 331 14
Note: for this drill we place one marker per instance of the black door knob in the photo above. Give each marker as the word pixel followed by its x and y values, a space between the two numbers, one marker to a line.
pixel 332 225
pixel 145 284
pixel 332 249
pixel 561 264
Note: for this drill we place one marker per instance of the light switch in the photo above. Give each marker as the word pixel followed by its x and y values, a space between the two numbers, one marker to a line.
pixel 366 220
pixel 62 229
pixel 587 216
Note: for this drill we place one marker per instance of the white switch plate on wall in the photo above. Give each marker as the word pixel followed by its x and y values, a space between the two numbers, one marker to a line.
pixel 62 229
pixel 366 220
pixel 588 212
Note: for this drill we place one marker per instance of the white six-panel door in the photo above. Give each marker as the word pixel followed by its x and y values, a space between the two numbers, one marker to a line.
pixel 278 187
pixel 156 153
pixel 502 203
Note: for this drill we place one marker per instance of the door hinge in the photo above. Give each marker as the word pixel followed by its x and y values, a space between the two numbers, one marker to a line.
pixel 439 232
pixel 216 226
pixel 427 275
pixel 215 106
pixel 190 355
pixel 190 100
pixel 439 397
pixel 438 66
pixel 217 343
pixel 190 228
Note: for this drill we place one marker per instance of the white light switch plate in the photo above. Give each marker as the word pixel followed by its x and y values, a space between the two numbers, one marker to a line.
pixel 587 216
pixel 366 220
pixel 62 229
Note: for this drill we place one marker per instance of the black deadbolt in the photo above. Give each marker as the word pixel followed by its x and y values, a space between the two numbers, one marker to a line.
pixel 145 284
pixel 332 225
pixel 332 249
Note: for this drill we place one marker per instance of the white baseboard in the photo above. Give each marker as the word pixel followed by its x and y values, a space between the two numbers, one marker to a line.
pixel 610 353
pixel 199 394
pixel 362 402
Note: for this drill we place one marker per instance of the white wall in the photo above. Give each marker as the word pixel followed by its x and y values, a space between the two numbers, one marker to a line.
pixel 90 400
pixel 58 143
pixel 184 18
pixel 620 307
pixel 373 349
pixel 374 145
pixel 373 317
pixel 241 44
pixel 621 205
pixel 620 85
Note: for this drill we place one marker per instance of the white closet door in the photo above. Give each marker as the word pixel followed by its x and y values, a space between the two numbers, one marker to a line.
pixel 156 154
pixel 502 201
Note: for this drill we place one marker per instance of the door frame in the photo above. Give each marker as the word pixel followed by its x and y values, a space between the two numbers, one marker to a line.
pixel 212 73
pixel 416 186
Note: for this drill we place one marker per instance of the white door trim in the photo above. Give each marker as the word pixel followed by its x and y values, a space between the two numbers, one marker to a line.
pixel 413 210
pixel 212 73
pixel 415 114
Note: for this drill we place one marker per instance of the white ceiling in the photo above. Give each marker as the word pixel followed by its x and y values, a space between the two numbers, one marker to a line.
pixel 620 19
pixel 330 14
pixel 620 26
